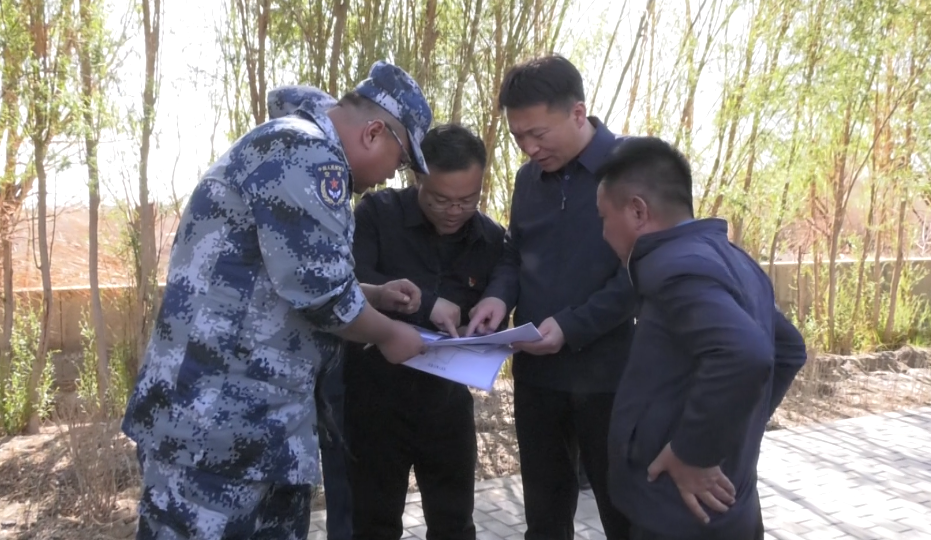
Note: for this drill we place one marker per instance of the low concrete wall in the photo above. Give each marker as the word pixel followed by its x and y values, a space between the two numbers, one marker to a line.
pixel 792 297
pixel 70 306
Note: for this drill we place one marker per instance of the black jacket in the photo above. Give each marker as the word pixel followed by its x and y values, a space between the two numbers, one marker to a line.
pixel 556 264
pixel 711 360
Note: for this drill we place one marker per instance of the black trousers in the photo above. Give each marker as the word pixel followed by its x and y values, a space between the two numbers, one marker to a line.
pixel 554 431
pixel 643 534
pixel 741 532
pixel 401 422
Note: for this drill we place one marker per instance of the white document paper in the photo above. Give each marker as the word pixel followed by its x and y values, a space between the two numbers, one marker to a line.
pixel 526 332
pixel 472 365
pixel 473 361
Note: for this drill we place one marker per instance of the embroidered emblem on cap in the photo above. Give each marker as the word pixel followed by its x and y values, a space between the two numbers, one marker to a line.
pixel 331 188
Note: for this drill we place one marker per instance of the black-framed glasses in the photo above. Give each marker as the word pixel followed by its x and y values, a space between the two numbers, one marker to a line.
pixel 405 157
pixel 464 206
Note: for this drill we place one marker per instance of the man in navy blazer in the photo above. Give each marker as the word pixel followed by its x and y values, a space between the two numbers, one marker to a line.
pixel 711 359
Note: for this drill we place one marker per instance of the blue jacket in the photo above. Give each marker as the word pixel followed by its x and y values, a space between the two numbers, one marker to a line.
pixel 557 264
pixel 260 276
pixel 711 359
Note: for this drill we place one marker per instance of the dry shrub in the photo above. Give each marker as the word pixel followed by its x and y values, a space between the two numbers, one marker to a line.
pixel 831 387
pixel 102 467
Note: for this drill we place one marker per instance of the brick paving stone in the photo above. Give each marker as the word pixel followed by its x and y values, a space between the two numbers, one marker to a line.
pixel 479 516
pixel 414 509
pixel 864 478
pixel 590 534
pixel 594 523
pixel 506 517
pixel 512 507
pixel 499 528
pixel 420 531
pixel 410 521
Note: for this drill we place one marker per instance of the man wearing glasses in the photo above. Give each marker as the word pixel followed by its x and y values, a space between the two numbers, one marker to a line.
pixel 259 298
pixel 396 417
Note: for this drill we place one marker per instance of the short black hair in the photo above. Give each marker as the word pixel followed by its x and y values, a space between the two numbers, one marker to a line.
pixel 452 147
pixel 652 166
pixel 549 80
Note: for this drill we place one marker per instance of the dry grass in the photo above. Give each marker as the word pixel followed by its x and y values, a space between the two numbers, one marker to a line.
pixel 70 481
pixel 832 387
pixel 80 479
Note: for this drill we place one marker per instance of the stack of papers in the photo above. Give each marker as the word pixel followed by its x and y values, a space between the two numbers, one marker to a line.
pixel 473 361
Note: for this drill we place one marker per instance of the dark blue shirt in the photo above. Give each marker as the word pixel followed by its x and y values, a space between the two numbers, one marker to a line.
pixel 710 361
pixel 557 264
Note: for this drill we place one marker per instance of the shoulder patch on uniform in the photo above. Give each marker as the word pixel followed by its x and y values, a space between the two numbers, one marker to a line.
pixel 331 184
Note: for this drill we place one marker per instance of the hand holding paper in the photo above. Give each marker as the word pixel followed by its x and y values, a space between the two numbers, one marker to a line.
pixel 551 342
pixel 525 333
pixel 473 361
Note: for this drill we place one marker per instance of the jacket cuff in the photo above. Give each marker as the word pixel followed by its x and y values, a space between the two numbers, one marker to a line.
pixel 694 454
pixel 427 302
pixel 572 330
pixel 340 311
pixel 501 292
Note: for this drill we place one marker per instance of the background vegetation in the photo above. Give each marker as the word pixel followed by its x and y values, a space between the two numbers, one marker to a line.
pixel 808 124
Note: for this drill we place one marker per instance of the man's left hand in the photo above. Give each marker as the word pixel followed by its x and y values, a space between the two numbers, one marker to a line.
pixel 399 295
pixel 552 342
pixel 708 485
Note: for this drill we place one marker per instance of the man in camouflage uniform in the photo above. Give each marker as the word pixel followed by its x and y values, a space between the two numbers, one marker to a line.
pixel 259 296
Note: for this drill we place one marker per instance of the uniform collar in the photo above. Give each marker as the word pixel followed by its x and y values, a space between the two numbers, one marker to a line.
pixel 593 155
pixel 413 217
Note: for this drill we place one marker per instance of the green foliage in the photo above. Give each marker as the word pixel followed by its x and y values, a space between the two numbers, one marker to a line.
pixel 25 339
pixel 122 357
pixel 855 327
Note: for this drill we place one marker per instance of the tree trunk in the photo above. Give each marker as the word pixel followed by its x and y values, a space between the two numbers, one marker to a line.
pixel 13 190
pixel 861 264
pixel 904 167
pixel 896 271
pixel 88 99
pixel 9 305
pixel 429 35
pixel 607 57
pixel 31 411
pixel 630 58
pixel 812 52
pixel 146 300
pixel 735 113
pixel 840 190
pixel 255 54
pixel 877 276
pixel 634 90
pixel 466 54
pixel 339 29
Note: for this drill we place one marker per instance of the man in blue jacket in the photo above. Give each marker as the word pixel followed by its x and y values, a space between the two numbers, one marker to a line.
pixel 711 359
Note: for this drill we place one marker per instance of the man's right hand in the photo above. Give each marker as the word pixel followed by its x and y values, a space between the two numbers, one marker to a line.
pixel 445 316
pixel 405 343
pixel 486 316
pixel 708 485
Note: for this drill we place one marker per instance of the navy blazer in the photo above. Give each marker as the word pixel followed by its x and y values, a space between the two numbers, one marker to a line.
pixel 711 359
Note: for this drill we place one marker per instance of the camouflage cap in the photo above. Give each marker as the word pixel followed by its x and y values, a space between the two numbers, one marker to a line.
pixel 395 91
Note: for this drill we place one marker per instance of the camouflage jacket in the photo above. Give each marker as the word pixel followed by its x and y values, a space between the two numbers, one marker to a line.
pixel 261 271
